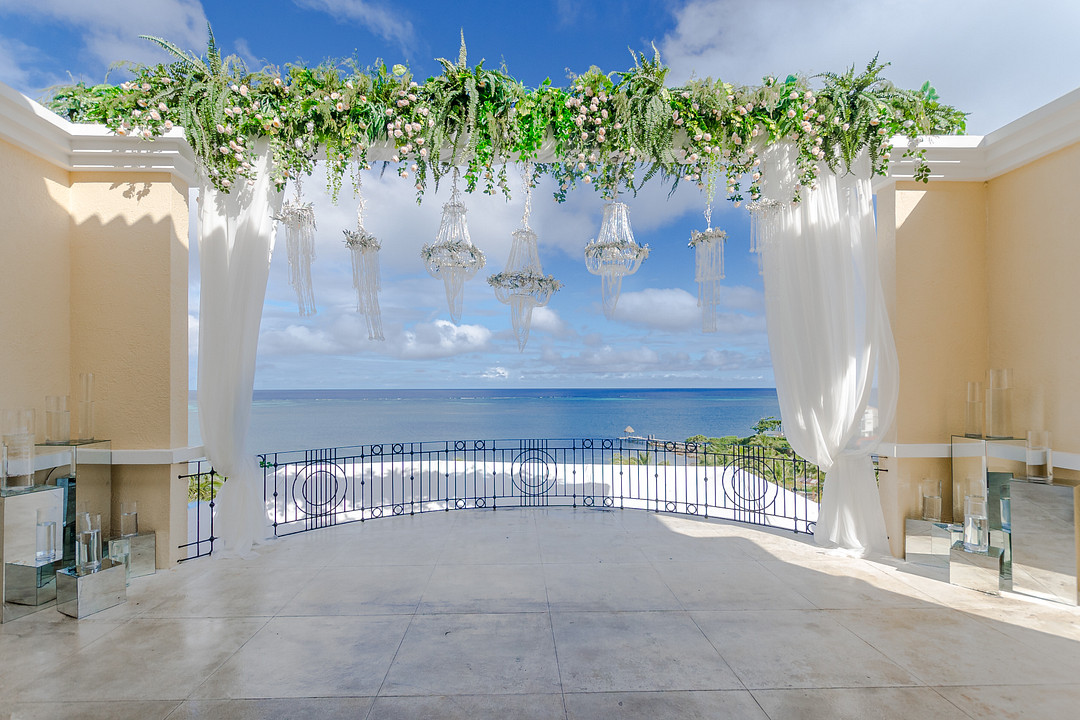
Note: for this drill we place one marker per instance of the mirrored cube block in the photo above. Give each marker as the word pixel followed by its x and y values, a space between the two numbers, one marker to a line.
pixel 975 570
pixel 143 556
pixel 1044 541
pixel 29 585
pixel 79 595
pixel 927 544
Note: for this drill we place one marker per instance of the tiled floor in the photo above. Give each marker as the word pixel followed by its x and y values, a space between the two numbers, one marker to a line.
pixel 555 613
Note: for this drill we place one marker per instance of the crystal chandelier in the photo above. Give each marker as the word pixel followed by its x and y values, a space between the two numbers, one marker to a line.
pixel 365 267
pixel 614 254
pixel 708 249
pixel 522 284
pixel 452 256
pixel 299 220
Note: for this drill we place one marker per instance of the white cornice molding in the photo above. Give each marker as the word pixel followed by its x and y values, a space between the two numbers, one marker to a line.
pixel 89 148
pixel 978 158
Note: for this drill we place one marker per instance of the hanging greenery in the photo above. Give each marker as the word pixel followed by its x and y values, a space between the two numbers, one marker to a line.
pixel 614 131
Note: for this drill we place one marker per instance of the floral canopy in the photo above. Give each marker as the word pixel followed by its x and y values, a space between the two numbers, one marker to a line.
pixel 614 130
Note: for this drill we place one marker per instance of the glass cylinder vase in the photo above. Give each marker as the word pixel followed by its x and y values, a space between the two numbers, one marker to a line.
pixel 976 524
pixel 975 410
pixel 88 542
pixel 17 428
pixel 57 420
pixel 931 500
pixel 999 404
pixel 86 407
pixel 1039 457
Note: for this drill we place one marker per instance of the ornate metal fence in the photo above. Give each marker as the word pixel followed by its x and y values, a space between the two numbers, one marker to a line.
pixel 202 484
pixel 311 489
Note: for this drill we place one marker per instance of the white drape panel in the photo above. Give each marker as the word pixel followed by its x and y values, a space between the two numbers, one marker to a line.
pixel 831 342
pixel 236 240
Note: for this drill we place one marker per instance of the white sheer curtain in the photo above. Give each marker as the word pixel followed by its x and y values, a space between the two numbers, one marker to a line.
pixel 831 342
pixel 236 240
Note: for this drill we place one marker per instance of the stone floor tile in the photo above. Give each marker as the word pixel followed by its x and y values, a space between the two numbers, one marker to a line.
pixel 233 590
pixel 475 655
pixel 637 651
pixel 1015 702
pixel 374 590
pixel 684 705
pixel 485 588
pixel 941 646
pixel 912 703
pixel 607 587
pixel 797 648
pixel 844 583
pixel 735 585
pixel 468 707
pixel 146 659
pixel 294 657
pixel 349 708
pixel 94 710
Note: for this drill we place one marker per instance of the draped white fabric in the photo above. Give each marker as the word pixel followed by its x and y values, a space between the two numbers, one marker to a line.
pixel 831 342
pixel 236 240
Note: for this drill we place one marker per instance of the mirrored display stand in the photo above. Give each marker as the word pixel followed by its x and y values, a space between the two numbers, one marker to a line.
pixel 1044 522
pixel 1031 522
pixel 37 521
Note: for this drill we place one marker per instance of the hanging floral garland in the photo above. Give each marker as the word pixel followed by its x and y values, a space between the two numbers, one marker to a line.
pixel 614 131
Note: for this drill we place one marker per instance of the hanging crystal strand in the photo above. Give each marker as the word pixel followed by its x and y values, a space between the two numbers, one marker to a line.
pixel 522 284
pixel 708 249
pixel 299 220
pixel 365 266
pixel 452 256
pixel 614 254
pixel 764 217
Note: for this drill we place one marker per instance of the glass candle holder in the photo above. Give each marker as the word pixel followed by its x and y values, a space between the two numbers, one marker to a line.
pixel 1039 456
pixel 57 420
pixel 88 542
pixel 976 524
pixel 48 547
pixel 999 404
pixel 129 519
pixel 17 428
pixel 86 406
pixel 931 500
pixel 975 410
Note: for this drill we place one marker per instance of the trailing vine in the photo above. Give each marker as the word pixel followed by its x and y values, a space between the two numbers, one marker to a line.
pixel 614 131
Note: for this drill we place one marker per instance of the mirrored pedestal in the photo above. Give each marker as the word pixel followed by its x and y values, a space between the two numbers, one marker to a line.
pixel 975 570
pixel 79 595
pixel 143 554
pixel 927 544
pixel 1044 540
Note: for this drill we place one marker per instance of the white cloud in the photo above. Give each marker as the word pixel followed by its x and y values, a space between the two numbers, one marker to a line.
pixel 544 319
pixel 993 58
pixel 443 339
pixel 17 66
pixel 372 16
pixel 674 309
pixel 495 373
pixel 111 28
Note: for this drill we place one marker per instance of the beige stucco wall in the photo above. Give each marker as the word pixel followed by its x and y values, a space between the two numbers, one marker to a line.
pixel 981 275
pixel 93 277
pixel 128 297
pixel 1033 251
pixel 34 281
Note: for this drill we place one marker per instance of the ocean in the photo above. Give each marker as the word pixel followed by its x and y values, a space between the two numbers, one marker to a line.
pixel 305 419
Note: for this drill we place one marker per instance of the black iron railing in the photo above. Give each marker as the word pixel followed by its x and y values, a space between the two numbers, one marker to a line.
pixel 311 489
pixel 202 487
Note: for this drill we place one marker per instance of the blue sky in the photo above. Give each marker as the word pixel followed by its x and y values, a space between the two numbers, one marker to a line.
pixel 655 338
